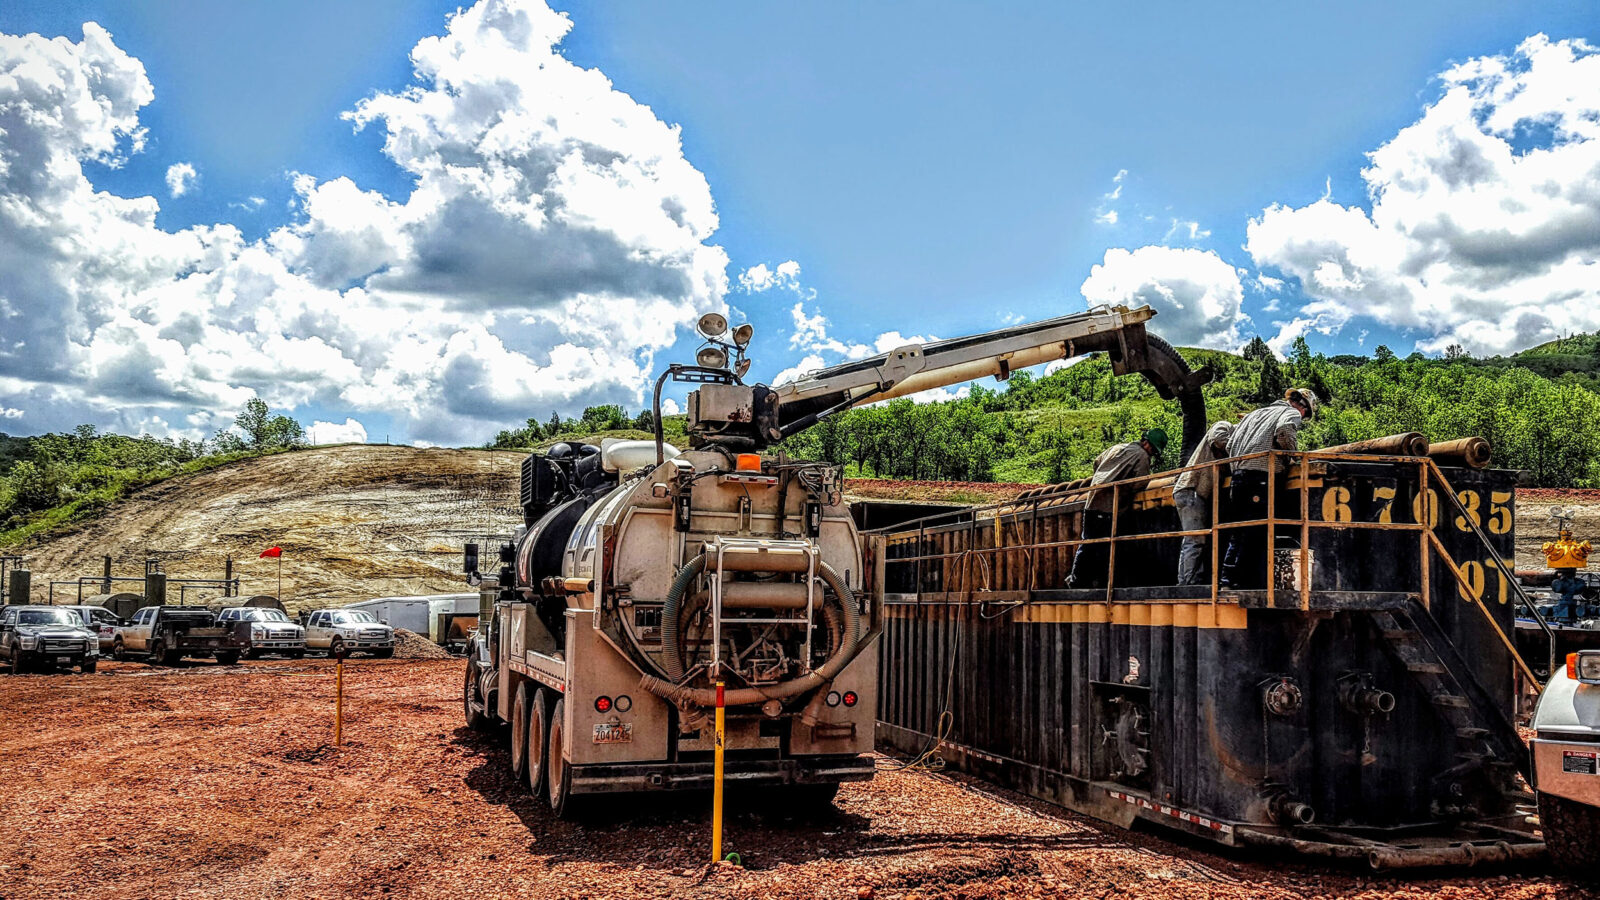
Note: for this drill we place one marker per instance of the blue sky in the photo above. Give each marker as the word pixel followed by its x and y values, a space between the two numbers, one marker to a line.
pixel 934 169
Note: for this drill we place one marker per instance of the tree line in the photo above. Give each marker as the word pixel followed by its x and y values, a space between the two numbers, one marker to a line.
pixel 50 479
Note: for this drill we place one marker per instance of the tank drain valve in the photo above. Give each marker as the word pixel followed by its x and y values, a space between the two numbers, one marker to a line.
pixel 1359 695
pixel 1285 810
pixel 1282 696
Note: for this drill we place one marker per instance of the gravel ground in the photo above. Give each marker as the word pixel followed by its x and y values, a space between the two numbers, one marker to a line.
pixel 211 781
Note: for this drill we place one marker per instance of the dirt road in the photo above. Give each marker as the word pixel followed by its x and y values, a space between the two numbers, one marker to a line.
pixel 213 782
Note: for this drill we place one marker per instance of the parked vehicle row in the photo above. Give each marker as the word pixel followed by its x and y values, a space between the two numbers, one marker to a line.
pixel 77 636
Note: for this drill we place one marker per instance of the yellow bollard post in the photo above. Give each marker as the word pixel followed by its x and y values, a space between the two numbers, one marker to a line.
pixel 716 786
pixel 338 704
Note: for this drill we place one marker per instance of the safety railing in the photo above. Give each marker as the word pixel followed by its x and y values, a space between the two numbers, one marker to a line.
pixel 1426 515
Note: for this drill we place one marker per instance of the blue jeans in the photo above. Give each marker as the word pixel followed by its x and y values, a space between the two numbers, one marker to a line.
pixel 1194 514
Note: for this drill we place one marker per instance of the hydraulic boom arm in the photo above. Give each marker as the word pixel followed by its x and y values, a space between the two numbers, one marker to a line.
pixel 756 415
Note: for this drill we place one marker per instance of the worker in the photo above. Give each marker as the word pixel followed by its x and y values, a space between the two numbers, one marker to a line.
pixel 1272 427
pixel 1119 463
pixel 1192 493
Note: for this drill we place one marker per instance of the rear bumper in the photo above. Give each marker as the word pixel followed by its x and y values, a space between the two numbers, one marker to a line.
pixel 1567 769
pixel 606 779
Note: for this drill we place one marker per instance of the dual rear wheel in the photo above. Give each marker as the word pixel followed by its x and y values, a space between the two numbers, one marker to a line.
pixel 536 736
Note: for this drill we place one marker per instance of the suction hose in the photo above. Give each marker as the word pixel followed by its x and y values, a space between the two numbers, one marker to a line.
pixel 672 658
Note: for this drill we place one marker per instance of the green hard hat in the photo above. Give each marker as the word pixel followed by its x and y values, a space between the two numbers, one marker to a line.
pixel 1157 439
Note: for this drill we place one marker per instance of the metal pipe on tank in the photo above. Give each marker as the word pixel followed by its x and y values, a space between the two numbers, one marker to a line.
pixel 1408 444
pixel 1471 453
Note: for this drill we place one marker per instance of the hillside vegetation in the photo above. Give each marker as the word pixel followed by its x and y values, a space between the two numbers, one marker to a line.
pixel 56 479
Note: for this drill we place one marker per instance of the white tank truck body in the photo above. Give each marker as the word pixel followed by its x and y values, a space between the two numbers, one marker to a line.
pixel 643 576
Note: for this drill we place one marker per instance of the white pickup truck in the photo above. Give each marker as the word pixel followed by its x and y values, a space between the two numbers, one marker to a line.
pixel 265 630
pixel 353 629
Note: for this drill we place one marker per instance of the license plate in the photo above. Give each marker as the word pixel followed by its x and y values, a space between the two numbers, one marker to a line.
pixel 63 660
pixel 614 734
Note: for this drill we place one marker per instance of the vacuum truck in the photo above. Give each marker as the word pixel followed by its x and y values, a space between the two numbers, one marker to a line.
pixel 646 581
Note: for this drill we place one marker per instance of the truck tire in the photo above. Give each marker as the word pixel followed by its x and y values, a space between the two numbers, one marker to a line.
pixel 88 666
pixel 227 658
pixel 475 718
pixel 521 707
pixel 558 773
pixel 158 652
pixel 1572 835
pixel 334 646
pixel 119 652
pixel 538 741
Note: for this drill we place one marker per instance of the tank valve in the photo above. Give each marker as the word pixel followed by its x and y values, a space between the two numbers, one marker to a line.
pixel 1283 697
pixel 1286 810
pixel 1357 694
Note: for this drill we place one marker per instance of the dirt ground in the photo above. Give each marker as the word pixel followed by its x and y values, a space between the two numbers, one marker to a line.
pixel 211 781
pixel 1534 525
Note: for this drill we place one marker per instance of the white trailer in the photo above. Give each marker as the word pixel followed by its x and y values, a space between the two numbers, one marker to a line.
pixel 419 614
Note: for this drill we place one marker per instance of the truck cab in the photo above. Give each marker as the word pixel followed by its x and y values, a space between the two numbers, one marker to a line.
pixel 329 630
pixel 45 637
pixel 265 630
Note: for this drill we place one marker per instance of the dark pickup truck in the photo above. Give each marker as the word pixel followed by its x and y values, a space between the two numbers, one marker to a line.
pixel 167 634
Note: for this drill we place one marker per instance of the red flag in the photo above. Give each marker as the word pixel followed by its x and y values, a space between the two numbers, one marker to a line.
pixel 273 552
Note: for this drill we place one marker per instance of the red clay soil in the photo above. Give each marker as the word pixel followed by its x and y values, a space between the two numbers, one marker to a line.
pixel 1558 495
pixel 221 782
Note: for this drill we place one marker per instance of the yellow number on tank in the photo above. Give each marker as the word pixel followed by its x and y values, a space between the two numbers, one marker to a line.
pixel 1386 495
pixel 1433 508
pixel 1499 512
pixel 1470 501
pixel 1472 571
pixel 1336 505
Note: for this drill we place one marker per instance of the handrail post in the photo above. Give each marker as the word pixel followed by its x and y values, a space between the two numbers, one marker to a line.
pixel 1216 533
pixel 1111 545
pixel 1305 531
pixel 1272 527
pixel 1426 516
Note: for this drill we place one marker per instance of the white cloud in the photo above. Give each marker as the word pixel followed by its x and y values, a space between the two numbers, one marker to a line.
pixel 1105 214
pixel 555 240
pixel 348 432
pixel 1484 221
pixel 669 407
pixel 1183 229
pixel 7 412
pixel 181 178
pixel 759 278
pixel 1197 296
pixel 1054 366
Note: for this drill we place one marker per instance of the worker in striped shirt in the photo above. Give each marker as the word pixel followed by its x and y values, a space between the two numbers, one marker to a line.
pixel 1192 493
pixel 1119 463
pixel 1273 427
